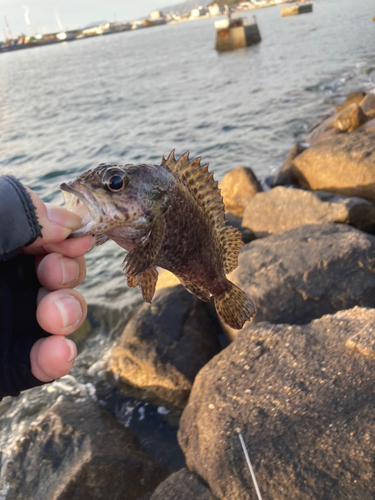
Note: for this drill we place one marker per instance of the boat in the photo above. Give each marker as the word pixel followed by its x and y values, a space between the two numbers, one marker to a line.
pixel 299 8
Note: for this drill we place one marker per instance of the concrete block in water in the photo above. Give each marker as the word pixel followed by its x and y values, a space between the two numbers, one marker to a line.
pixel 237 37
pixel 296 9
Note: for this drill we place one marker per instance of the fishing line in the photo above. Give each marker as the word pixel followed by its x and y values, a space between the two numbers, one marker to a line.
pixel 249 463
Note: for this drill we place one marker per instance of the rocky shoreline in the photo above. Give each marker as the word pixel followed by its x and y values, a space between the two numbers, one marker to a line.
pixel 297 381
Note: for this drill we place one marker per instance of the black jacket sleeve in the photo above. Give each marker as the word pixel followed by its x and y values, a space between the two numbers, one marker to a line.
pixel 19 225
pixel 18 288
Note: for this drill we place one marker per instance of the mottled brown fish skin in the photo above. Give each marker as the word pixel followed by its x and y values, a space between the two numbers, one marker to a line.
pixel 171 216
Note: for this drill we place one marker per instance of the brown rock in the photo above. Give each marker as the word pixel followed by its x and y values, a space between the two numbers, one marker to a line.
pixel 237 187
pixel 368 105
pixel 282 209
pixel 79 451
pixel 347 120
pixel 343 164
pixel 182 485
pixel 304 404
pixel 353 97
pixel 163 347
pixel 304 273
pixel 370 125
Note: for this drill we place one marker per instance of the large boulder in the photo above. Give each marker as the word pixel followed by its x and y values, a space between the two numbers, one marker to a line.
pixel 343 164
pixel 182 485
pixel 237 188
pixel 79 451
pixel 304 273
pixel 304 403
pixel 282 209
pixel 163 347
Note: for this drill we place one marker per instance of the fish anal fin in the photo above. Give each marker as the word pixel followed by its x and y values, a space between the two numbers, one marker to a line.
pixel 143 256
pixel 147 283
pixel 195 289
pixel 234 307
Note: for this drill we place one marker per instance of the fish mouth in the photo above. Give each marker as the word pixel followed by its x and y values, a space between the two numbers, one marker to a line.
pixel 84 204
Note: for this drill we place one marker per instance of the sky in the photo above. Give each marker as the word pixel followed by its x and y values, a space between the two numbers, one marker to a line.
pixel 72 13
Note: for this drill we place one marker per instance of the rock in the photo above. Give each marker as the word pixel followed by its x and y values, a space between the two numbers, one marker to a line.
pixel 347 120
pixel 237 187
pixel 343 164
pixel 282 209
pixel 284 176
pixel 370 125
pixel 79 451
pixel 163 347
pixel 246 234
pixel 182 485
pixel 304 273
pixel 305 406
pixel 353 97
pixel 368 105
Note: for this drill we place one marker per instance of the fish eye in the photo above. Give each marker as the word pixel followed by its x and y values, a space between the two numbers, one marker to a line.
pixel 116 182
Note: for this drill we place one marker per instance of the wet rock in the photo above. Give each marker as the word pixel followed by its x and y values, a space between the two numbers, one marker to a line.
pixel 284 176
pixel 305 405
pixel 304 273
pixel 282 209
pixel 163 347
pixel 368 105
pixel 237 187
pixel 79 451
pixel 182 485
pixel 343 164
pixel 353 97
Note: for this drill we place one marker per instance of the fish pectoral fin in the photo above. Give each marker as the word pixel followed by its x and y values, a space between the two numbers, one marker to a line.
pixel 143 256
pixel 147 283
pixel 132 280
pixel 197 290
pixel 100 239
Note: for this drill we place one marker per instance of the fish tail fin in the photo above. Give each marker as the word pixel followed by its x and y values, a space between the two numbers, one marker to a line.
pixel 234 306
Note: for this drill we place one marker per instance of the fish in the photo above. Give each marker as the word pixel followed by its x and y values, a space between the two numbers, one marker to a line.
pixel 169 216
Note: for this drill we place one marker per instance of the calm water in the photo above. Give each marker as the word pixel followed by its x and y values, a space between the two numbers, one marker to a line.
pixel 134 96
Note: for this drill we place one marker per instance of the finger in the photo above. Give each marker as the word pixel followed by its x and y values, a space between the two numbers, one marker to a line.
pixel 52 357
pixel 61 312
pixel 56 271
pixel 73 247
pixel 56 222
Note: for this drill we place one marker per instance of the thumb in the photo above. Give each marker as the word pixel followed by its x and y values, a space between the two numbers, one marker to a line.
pixel 56 222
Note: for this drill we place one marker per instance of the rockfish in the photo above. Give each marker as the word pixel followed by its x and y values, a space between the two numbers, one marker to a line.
pixel 170 215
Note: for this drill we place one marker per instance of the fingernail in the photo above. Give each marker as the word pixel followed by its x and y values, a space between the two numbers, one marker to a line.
pixel 92 244
pixel 70 270
pixel 63 217
pixel 70 310
pixel 73 350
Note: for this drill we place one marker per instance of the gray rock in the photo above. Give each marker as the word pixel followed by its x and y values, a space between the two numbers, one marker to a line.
pixel 304 273
pixel 305 405
pixel 164 346
pixel 282 209
pixel 237 187
pixel 368 105
pixel 79 451
pixel 182 485
pixel 343 164
pixel 284 175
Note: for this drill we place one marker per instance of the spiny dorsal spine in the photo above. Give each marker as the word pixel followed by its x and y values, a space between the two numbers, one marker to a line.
pixel 201 184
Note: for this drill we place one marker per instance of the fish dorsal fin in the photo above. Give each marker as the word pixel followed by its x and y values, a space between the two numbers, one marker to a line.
pixel 200 182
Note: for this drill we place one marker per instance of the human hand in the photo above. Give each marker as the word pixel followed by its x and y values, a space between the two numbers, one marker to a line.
pixel 60 266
